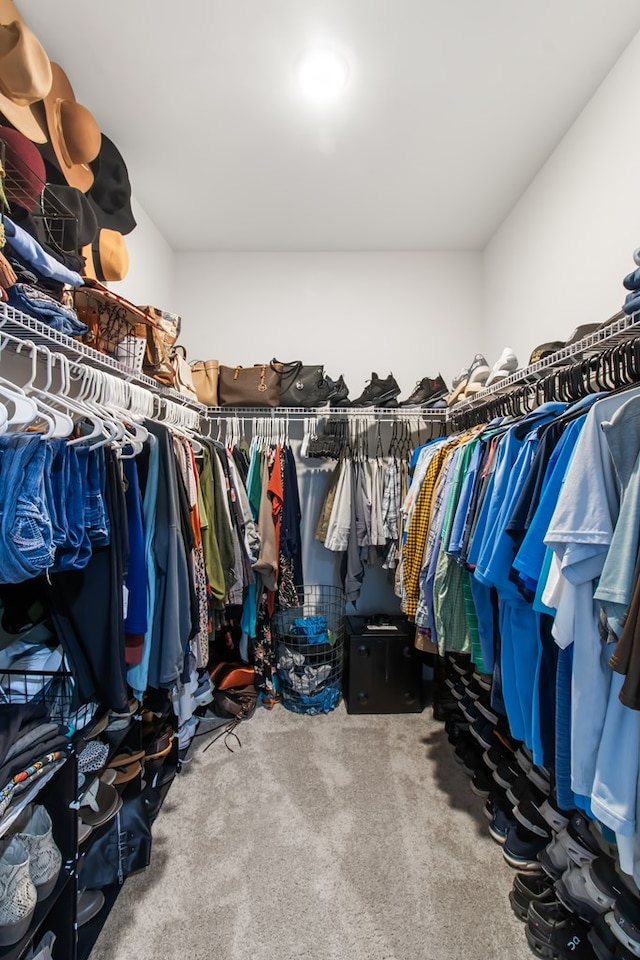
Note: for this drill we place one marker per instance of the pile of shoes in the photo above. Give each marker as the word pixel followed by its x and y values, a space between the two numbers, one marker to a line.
pixel 568 888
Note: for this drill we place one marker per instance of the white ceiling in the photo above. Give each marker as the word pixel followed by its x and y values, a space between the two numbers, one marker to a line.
pixel 450 110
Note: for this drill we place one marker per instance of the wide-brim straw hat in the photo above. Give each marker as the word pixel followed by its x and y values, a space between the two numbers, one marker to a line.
pixel 73 132
pixel 107 257
pixel 26 76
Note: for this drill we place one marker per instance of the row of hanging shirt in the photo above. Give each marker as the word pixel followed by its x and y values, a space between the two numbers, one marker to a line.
pixel 522 547
pixel 360 517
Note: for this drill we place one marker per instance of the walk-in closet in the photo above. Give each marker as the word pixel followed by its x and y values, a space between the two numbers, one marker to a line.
pixel 319 480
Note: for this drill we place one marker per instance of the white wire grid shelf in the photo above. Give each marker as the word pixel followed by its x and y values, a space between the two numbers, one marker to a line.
pixel 621 327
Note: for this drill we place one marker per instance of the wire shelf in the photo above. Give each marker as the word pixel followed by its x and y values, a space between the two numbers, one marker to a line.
pixel 620 327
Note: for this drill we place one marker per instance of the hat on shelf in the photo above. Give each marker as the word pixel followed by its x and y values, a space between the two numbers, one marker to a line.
pixel 110 194
pixel 545 350
pixel 25 75
pixel 65 219
pixel 107 257
pixel 24 168
pixel 73 131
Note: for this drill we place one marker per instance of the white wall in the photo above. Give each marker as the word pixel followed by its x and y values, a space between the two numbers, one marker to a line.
pixel 559 258
pixel 412 314
pixel 150 279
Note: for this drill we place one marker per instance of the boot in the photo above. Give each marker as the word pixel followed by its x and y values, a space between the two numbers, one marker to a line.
pixel 34 829
pixel 18 895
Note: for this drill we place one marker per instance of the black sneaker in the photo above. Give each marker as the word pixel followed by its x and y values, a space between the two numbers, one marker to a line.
pixel 483 731
pixel 522 789
pixel 527 813
pixel 530 888
pixel 482 782
pixel 521 849
pixel 426 390
pixel 335 392
pixel 464 744
pixel 506 775
pixel 495 755
pixel 606 945
pixel 553 933
pixel 378 392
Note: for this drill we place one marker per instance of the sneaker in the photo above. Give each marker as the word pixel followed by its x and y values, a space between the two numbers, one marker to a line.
pixel 337 392
pixel 522 789
pixel 478 373
pixel 482 730
pixel 506 364
pixel 458 385
pixel 527 813
pixel 18 896
pixel 506 775
pixel 604 942
pixel 524 758
pixel 486 710
pixel 204 691
pixel 555 817
pixel 501 823
pixel 495 800
pixel 426 390
pixel 530 888
pixel 581 845
pixel 378 392
pixel 554 858
pixel 586 899
pixel 554 933
pixel 495 755
pixel 625 921
pixel 481 783
pixel 521 849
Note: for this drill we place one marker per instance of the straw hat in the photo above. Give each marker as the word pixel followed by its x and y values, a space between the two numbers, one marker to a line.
pixel 25 77
pixel 107 257
pixel 73 131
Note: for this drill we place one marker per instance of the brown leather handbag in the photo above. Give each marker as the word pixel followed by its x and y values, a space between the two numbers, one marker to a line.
pixel 204 374
pixel 257 386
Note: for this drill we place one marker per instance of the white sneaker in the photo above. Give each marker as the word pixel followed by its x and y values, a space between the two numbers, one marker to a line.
pixel 506 363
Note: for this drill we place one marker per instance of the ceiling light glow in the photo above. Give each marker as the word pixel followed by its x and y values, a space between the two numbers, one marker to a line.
pixel 322 75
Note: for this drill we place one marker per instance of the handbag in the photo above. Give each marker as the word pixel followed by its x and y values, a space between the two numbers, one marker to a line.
pixel 205 380
pixel 183 379
pixel 122 850
pixel 302 384
pixel 257 386
pixel 162 333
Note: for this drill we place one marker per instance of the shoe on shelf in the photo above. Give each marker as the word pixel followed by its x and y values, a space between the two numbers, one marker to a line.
pixel 90 903
pixel 35 830
pixel 478 373
pixel 18 896
pixel 426 391
pixel 338 392
pixel 506 364
pixel 378 392
pixel 458 385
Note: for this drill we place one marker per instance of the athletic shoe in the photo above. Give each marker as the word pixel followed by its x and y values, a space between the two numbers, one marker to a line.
pixel 521 849
pixel 530 888
pixel 507 774
pixel 378 392
pixel 584 898
pixel 530 817
pixel 482 783
pixel 426 391
pixel 501 823
pixel 495 755
pixel 524 757
pixel 553 933
pixel 483 731
pixel 506 364
pixel 555 817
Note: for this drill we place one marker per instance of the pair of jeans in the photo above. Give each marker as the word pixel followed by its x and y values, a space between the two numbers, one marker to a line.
pixel 26 533
pixel 68 487
pixel 95 514
pixel 40 305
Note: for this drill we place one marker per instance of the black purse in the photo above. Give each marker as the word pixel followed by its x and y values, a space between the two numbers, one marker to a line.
pixel 303 385
pixel 124 849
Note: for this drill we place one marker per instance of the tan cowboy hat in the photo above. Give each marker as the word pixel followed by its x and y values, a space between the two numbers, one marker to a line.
pixel 107 257
pixel 73 131
pixel 25 77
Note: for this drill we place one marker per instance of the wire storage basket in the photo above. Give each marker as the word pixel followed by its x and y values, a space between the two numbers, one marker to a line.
pixel 310 650
pixel 54 690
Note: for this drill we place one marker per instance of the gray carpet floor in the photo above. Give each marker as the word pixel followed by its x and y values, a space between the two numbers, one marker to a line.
pixel 322 838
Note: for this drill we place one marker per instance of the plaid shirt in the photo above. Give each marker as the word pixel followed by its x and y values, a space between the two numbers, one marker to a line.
pixel 413 548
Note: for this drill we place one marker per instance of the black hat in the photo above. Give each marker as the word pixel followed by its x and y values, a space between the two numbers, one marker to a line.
pixel 110 195
pixel 65 220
